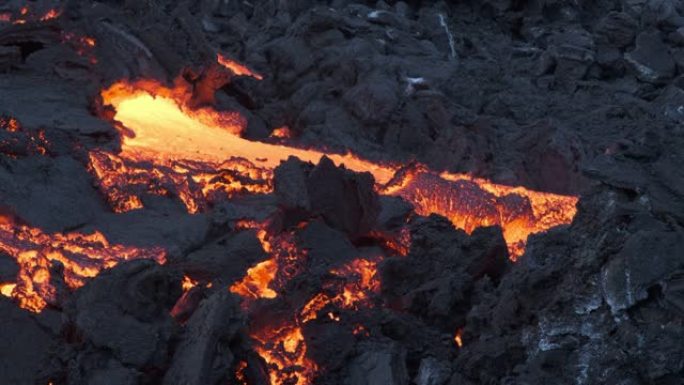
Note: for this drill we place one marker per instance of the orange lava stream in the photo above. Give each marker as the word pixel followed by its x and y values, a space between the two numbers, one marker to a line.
pixel 160 130
pixel 82 256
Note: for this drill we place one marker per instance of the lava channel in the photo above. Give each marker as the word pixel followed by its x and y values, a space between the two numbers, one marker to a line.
pixel 167 147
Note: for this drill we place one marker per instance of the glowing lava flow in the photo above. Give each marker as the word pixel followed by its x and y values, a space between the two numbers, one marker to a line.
pixel 360 283
pixel 282 344
pixel 39 256
pixel 166 145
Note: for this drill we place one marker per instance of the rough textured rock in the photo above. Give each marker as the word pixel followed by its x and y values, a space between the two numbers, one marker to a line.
pixel 346 201
pixel 651 60
pixel 379 366
pixel 574 97
pixel 25 347
pixel 126 312
pixel 204 348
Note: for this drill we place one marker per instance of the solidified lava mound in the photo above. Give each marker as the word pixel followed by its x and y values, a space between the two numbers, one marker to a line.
pixel 362 193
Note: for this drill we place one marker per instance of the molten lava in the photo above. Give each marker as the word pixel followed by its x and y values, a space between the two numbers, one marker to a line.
pixel 257 281
pixel 181 149
pixel 360 282
pixel 284 350
pixel 266 277
pixel 69 257
pixel 237 68
pixel 282 344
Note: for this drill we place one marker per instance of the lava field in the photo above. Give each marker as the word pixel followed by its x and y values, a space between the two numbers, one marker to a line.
pixel 297 192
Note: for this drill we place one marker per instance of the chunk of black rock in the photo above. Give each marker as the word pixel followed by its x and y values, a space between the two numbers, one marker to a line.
pixel 203 355
pixel 8 268
pixel 114 373
pixel 432 371
pixel 290 184
pixel 650 60
pixel 25 347
pixel 125 311
pixel 329 342
pixel 344 199
pixel 374 99
pixel 487 253
pixel 226 259
pixel 616 29
pixel 379 364
pixel 627 278
pixel 393 212
pixel 327 247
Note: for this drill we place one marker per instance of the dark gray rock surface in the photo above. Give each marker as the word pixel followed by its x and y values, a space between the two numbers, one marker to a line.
pixel 574 97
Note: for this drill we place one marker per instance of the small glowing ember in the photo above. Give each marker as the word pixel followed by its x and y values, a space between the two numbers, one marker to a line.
pixel 281 132
pixel 6 289
pixel 458 339
pixel 400 244
pixel 188 283
pixel 82 256
pixel 240 372
pixel 20 142
pixel 360 330
pixel 9 124
pixel 51 14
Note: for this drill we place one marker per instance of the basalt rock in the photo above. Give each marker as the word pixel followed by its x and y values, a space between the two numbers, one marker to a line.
pixel 650 60
pixel 579 98
pixel 126 313
pixel 346 201
pixel 203 354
